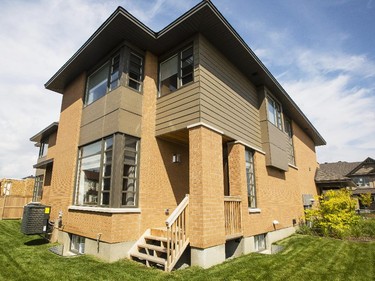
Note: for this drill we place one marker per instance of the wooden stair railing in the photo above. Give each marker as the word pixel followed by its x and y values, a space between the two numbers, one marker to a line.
pixel 164 246
pixel 177 233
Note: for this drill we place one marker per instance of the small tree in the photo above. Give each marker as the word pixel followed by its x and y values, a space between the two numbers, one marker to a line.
pixel 366 199
pixel 335 213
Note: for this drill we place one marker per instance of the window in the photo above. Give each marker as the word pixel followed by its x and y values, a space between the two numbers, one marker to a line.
pixel 288 130
pixel 77 244
pixel 260 242
pixel 129 181
pixel 362 181
pixel 176 71
pixel 135 71
pixel 107 77
pixel 250 179
pixel 43 149
pixel 97 172
pixel 38 189
pixel 274 112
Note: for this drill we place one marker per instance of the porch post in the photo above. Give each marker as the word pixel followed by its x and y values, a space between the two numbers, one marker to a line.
pixel 206 184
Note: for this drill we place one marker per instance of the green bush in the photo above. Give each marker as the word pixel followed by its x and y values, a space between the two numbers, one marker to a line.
pixel 363 228
pixel 334 215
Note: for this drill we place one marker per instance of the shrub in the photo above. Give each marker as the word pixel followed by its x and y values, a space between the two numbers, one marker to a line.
pixel 334 215
pixel 363 228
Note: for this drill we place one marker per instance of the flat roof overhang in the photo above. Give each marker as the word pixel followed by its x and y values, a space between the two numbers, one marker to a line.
pixel 205 19
pixel 45 132
pixel 43 164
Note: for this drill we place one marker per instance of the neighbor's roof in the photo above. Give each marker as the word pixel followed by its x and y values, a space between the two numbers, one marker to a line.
pixel 335 171
pixel 205 19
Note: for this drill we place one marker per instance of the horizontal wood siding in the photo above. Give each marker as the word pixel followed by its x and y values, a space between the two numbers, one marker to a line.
pixel 229 101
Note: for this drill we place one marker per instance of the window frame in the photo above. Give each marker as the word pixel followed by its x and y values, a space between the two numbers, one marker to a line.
pixel 115 178
pixel 288 129
pixel 179 66
pixel 77 244
pixel 43 148
pixel 252 201
pixel 260 239
pixel 118 61
pixel 38 188
pixel 277 121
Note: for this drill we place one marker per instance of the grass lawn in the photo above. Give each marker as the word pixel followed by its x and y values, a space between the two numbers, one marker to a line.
pixel 304 258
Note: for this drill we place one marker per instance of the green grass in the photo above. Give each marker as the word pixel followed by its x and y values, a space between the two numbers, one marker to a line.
pixel 304 258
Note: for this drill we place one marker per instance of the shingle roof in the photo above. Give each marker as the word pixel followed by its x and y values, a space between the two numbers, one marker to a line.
pixel 335 171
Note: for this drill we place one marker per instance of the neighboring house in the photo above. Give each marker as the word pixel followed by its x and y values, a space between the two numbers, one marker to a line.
pixel 14 194
pixel 45 140
pixel 150 117
pixel 359 176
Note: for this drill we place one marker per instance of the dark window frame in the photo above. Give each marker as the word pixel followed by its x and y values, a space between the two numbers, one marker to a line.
pixel 180 68
pixel 250 179
pixel 277 112
pixel 288 129
pixel 38 188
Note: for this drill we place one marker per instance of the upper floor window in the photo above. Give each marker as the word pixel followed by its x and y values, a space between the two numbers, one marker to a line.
pixel 43 149
pixel 108 76
pixel 106 177
pixel 176 71
pixel 289 132
pixel 250 179
pixel 274 113
pixel 361 181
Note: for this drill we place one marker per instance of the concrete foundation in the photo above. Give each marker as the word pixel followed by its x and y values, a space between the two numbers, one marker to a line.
pixel 208 257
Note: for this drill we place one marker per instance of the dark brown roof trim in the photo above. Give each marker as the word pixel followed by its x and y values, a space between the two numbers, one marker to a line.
pixel 45 132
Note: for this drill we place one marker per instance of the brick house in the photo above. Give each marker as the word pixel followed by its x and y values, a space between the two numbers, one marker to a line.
pixel 176 141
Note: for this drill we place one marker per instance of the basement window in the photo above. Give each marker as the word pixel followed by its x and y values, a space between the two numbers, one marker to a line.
pixel 176 71
pixel 260 242
pixel 77 244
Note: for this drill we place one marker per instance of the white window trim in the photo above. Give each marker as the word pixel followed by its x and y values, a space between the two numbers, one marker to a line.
pixel 254 210
pixel 106 210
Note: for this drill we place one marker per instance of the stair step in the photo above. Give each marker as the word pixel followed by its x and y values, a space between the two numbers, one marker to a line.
pixel 142 256
pixel 157 238
pixel 153 247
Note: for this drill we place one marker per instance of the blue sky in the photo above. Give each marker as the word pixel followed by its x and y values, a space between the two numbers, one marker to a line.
pixel 322 52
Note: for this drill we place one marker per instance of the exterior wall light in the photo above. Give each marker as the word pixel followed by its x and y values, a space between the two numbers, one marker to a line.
pixel 275 222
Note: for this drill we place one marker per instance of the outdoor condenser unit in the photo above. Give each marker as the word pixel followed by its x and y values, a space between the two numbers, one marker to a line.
pixel 35 219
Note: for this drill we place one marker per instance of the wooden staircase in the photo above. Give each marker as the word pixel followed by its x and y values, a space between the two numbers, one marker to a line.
pixel 162 247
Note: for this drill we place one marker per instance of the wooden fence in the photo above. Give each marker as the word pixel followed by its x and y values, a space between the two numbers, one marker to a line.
pixel 11 207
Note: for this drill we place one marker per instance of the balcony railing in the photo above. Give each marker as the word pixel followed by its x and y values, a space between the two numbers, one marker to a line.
pixel 232 213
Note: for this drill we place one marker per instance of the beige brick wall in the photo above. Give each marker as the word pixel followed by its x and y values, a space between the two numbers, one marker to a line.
pixel 206 188
pixel 65 151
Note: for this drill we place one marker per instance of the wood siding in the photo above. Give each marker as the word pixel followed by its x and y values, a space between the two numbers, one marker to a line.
pixel 229 101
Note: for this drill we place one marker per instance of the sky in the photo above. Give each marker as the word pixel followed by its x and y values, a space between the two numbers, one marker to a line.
pixel 322 52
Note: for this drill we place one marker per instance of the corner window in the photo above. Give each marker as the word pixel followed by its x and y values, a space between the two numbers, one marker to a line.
pixel 77 244
pixel 38 189
pixel 100 166
pixel 108 76
pixel 362 181
pixel 274 113
pixel 289 132
pixel 250 179
pixel 176 71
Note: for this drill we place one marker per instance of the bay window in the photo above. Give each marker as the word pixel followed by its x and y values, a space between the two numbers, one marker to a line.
pixel 108 76
pixel 274 112
pixel 107 172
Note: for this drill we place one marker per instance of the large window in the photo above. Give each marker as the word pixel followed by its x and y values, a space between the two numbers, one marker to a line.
pixel 102 183
pixel 250 179
pixel 38 189
pixel 289 132
pixel 108 76
pixel 274 113
pixel 176 71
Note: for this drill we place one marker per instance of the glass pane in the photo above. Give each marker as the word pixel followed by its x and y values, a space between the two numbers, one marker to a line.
pixel 106 183
pixel 129 171
pixel 271 112
pixel 168 68
pixel 108 157
pixel 135 85
pixel 108 143
pixel 90 149
pixel 89 180
pixel 128 184
pixel 168 85
pixel 135 59
pixel 107 170
pixel 105 198
pixel 130 157
pixel 128 199
pixel 187 79
pixel 97 84
pixel 131 143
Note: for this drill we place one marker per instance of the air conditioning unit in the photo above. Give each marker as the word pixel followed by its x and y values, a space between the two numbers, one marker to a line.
pixel 35 218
